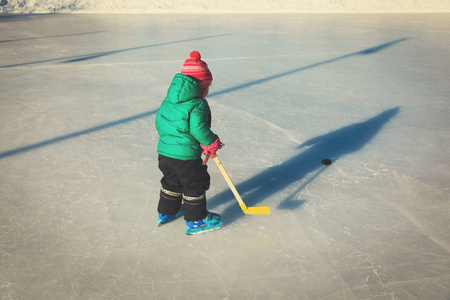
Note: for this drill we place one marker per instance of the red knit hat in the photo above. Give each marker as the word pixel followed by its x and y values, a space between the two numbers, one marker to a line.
pixel 198 69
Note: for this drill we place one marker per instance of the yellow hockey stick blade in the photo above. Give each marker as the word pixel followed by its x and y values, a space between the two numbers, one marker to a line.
pixel 255 210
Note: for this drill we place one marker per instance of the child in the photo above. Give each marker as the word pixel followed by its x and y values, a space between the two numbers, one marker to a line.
pixel 183 122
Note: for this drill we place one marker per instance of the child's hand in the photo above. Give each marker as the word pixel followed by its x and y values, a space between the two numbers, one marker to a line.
pixel 211 149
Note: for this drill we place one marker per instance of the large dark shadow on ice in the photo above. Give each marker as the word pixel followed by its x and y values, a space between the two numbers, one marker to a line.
pixel 52 36
pixel 101 54
pixel 83 57
pixel 145 114
pixel 332 145
pixel 304 68
pixel 75 134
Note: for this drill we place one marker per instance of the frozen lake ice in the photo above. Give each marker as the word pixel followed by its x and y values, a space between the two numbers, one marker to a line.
pixel 79 182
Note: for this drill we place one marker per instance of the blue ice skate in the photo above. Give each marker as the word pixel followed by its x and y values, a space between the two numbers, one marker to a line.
pixel 164 219
pixel 211 222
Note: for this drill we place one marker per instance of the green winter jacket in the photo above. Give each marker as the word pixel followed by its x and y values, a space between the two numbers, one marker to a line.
pixel 183 121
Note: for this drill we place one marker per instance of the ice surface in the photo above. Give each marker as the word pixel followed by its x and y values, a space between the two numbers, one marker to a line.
pixel 79 181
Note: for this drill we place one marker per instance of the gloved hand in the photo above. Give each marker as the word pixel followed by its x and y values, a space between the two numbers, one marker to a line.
pixel 211 149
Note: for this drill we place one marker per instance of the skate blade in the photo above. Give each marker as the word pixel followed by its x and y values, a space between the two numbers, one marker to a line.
pixel 204 231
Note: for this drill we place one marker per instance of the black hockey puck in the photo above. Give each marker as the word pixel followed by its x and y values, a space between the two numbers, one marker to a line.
pixel 326 162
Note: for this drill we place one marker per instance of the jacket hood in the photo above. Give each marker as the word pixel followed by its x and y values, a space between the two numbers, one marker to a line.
pixel 183 88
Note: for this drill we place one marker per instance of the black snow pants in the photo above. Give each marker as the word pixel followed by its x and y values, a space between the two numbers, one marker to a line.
pixel 183 181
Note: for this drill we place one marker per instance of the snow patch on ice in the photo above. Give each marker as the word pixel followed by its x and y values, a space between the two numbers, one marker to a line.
pixel 221 6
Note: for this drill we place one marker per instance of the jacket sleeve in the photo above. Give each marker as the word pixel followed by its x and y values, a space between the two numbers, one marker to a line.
pixel 199 124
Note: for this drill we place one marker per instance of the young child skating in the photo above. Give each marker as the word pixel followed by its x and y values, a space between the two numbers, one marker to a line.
pixel 183 122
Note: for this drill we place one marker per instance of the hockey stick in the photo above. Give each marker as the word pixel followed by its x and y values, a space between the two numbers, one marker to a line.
pixel 255 210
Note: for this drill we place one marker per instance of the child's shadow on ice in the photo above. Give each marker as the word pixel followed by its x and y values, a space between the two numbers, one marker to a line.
pixel 272 180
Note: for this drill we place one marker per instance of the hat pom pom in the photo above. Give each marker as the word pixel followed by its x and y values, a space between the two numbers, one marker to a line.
pixel 195 54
